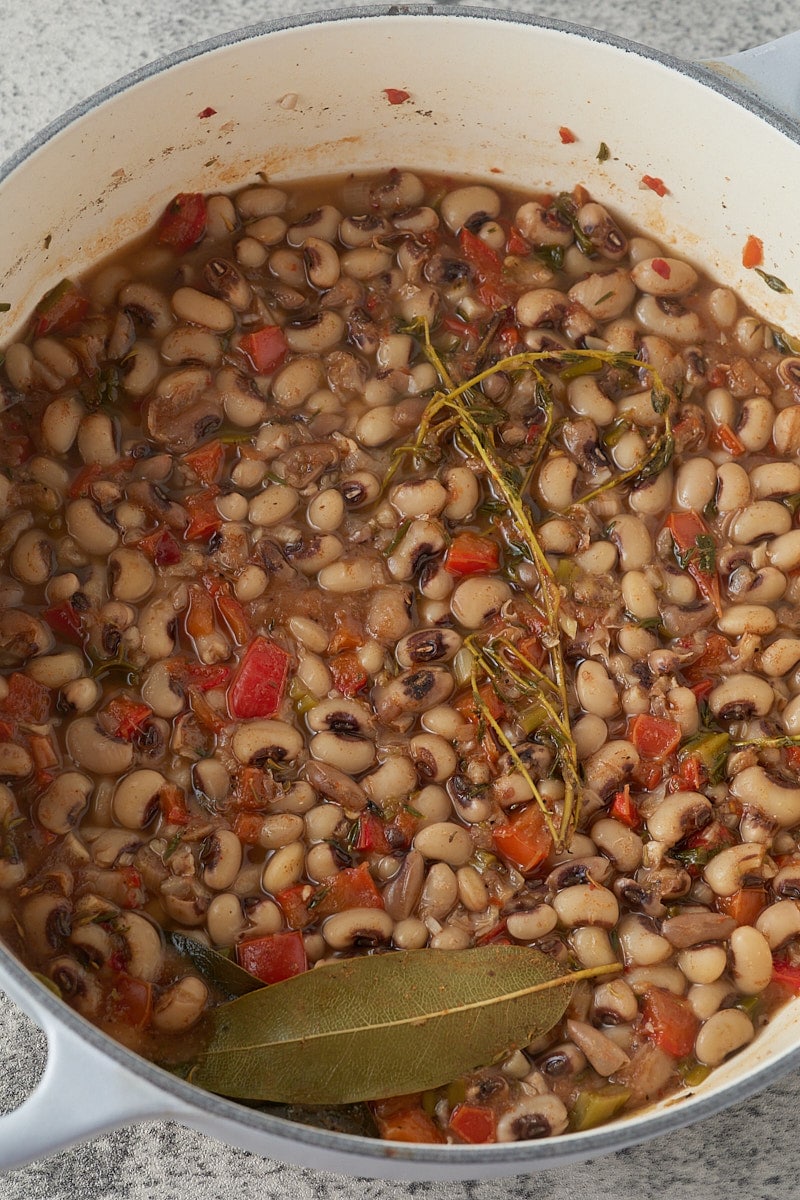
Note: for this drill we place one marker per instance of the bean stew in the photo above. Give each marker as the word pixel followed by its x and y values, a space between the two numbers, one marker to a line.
pixel 405 563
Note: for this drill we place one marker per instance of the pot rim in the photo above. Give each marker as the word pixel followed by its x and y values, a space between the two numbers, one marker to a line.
pixel 639 1128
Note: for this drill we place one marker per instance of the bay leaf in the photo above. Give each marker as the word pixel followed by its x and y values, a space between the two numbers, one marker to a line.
pixel 225 974
pixel 383 1025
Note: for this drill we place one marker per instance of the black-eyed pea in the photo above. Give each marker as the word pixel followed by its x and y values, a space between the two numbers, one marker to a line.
pixel 463 493
pixel 435 582
pixel 604 294
pixel 664 276
pixel 783 551
pixel 265 916
pixel 311 555
pixel 763 586
pixel 556 483
pixel 695 483
pixel 703 964
pixel 614 1003
pixel 445 842
pixel 181 1006
pixel 727 870
pixel 410 934
pixel 756 789
pixel 652 496
pixel 586 904
pixel 467 205
pixel 225 919
pixel 723 307
pixel 321 263
pixel 91 749
pixel 619 843
pixel 585 398
pixel 478 598
pixel 589 732
pixel 741 696
pixel 222 859
pixel 358 927
pixel 393 780
pixel 641 943
pixel 786 430
pixel 273 505
pixel 661 975
pixel 322 821
pixel 293 383
pixel 321 862
pixel 677 815
pixel 596 691
pixel 315 335
pixel 535 1115
pixel 283 868
pixel 262 739
pixel 280 829
pixel 439 893
pixel 131 576
pixel 89 529
pixel 419 498
pixel 739 619
pixel 558 536
pixel 775 480
pixel 707 998
pixel 721 1035
pixel 433 756
pixel 81 695
pixel 779 923
pixel 344 752
pixel 755 423
pixel 350 575
pixel 751 960
pixel 762 519
pixel 668 319
pixel 632 540
pixel 541 306
pixel 257 202
pixel 211 778
pixel 136 798
pixel 63 803
pixel 531 924
pixel 610 767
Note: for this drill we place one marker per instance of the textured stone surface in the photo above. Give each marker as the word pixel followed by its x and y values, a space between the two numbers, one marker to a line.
pixel 55 53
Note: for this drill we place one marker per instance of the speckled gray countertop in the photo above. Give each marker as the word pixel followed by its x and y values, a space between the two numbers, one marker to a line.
pixel 55 53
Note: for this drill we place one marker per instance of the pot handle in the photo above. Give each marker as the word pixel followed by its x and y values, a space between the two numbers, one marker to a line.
pixel 82 1092
pixel 772 71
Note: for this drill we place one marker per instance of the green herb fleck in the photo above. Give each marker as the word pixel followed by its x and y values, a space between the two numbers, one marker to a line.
pixel 4 307
pixel 603 154
pixel 772 281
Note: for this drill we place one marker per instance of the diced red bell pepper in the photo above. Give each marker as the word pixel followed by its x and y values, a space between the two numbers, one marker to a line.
pixel 496 936
pixel 516 242
pixel 349 677
pixel 235 618
pixel 472 554
pixel 524 840
pixel 183 222
pixel 786 974
pixel 743 905
pixel 669 1022
pixel 623 809
pixel 352 888
pixel 26 701
pixel 247 826
pixel 294 903
pixel 488 268
pixel 371 835
pixel 466 331
pixel 396 95
pixel 403 1119
pixel 126 717
pixel 173 805
pixel 691 774
pixel 205 677
pixel 715 653
pixel 206 461
pixel 161 547
pixel 661 267
pixel 259 684
pixel 655 184
pixel 60 308
pixel 474 1124
pixel 725 438
pixel 693 547
pixel 266 348
pixel 700 847
pixel 566 135
pixel 204 520
pixel 275 957
pixel 654 737
pixel 753 253
pixel 87 476
pixel 131 1001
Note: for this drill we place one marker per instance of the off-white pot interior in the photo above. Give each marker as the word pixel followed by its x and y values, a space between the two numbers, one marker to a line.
pixel 487 96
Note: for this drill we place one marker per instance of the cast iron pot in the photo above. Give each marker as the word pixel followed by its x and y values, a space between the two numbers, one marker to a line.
pixel 487 95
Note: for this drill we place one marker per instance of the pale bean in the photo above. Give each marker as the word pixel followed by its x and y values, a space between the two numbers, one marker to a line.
pixel 89 529
pixel 703 964
pixel 747 618
pixel 599 558
pixel 273 505
pixel 476 599
pixel 463 493
pixel 250 583
pixel 786 430
pixel 633 541
pixel 467 204
pixel 652 496
pixel 309 633
pixel 322 821
pixel 695 483
pixel 410 934
pixel 751 960
pixel 283 868
pixel 322 222
pixel 642 945
pixel 326 510
pixel 531 924
pixel 439 893
pixel 586 904
pixel 755 424
pixel 779 923
pixel 775 479
pixel 721 1035
pixel 365 262
pixel 740 697
pixel 316 334
pixel 605 295
pixel 452 937
pixel 257 202
pixel 639 596
pixel 597 693
pixel 349 754
pixel 619 843
pixel 664 276
pixel 433 756
pixel 726 871
pixel 707 998
pixel 222 859
pixel 358 927
pixel 764 518
pixel 683 327
pixel 592 946
pixel 443 841
pixel 225 919
pixel 585 398
pixel 556 484
pixel 376 427
pixel 350 575
pixel 722 306
pixel 393 780
pixel 661 975
pixel 783 551
pixel 293 384
pixel 198 308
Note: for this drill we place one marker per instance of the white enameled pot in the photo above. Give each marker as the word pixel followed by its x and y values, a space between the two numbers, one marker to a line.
pixel 487 95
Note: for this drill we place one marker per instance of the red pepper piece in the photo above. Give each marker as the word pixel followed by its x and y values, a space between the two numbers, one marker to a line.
pixel 183 222
pixel 661 268
pixel 669 1022
pixel 403 1119
pixel 27 701
pixel 275 957
pixel 161 547
pixel 126 717
pixel 65 622
pixel 60 308
pixel 266 348
pixel 352 888
pixel 623 809
pixel 488 268
pixel 206 461
pixel 524 840
pixel 204 520
pixel 396 95
pixel 260 681
pixel 715 653
pixel 132 1001
pixel 472 554
pixel 294 905
pixel 473 1124
pixel 566 135
pixel 753 253
pixel 694 546
pixel 349 677
pixel 725 438
pixel 654 737
pixel 786 974
pixel 744 905
pixel 655 184
pixel 371 836
pixel 517 243
pixel 173 805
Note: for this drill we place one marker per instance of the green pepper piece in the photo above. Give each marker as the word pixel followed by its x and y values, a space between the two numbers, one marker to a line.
pixel 595 1108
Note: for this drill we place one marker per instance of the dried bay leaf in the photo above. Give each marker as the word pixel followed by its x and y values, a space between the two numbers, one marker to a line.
pixel 377 1026
pixel 231 979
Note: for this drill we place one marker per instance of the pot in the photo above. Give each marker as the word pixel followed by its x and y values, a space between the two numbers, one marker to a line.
pixel 283 98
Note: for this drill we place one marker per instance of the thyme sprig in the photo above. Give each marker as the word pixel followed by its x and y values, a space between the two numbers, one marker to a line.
pixel 459 412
